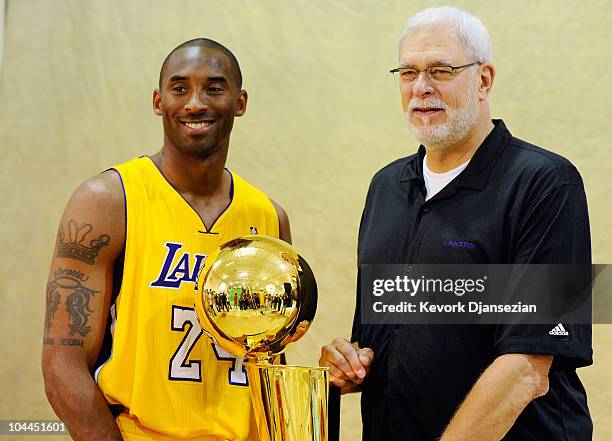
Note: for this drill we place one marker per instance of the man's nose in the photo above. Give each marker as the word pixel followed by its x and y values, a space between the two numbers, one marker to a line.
pixel 422 85
pixel 197 103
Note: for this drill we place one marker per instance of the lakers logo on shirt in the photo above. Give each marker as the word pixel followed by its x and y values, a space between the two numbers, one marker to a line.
pixel 172 276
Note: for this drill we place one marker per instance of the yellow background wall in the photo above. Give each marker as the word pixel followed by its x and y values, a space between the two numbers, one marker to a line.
pixel 324 115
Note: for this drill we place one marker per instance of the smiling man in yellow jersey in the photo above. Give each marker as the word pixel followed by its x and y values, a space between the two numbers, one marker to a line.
pixel 124 356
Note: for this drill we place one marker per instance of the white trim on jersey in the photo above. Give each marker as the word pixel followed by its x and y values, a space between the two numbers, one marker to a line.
pixel 113 313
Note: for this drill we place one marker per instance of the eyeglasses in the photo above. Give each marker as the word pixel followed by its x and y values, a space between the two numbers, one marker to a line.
pixel 436 74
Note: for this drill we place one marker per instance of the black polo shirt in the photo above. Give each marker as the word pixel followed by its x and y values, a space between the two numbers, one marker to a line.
pixel 516 203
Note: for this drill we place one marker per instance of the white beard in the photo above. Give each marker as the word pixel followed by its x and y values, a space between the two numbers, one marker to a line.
pixel 459 123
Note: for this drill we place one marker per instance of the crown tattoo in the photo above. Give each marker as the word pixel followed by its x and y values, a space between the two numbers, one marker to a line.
pixel 73 247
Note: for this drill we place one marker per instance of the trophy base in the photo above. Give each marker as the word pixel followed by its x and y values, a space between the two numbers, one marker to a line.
pixel 290 402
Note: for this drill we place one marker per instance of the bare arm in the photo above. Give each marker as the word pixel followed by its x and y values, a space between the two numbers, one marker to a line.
pixel 499 396
pixel 284 231
pixel 91 236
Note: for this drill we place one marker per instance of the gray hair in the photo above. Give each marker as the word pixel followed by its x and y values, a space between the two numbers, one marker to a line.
pixel 471 32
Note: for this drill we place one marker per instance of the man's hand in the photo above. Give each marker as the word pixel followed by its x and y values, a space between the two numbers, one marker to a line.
pixel 348 364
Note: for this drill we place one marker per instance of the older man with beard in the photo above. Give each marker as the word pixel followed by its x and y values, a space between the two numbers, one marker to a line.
pixel 472 194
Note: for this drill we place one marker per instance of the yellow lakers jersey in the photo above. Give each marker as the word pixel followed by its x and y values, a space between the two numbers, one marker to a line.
pixel 171 380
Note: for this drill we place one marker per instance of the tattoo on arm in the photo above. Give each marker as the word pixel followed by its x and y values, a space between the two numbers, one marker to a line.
pixel 72 247
pixel 71 285
pixel 71 342
pixel 53 301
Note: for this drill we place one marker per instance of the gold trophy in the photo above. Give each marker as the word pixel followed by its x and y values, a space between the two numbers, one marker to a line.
pixel 258 296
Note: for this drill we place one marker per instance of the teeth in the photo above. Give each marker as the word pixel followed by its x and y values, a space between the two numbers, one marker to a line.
pixel 199 125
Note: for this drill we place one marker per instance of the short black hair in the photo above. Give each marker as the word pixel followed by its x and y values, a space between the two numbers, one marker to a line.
pixel 207 43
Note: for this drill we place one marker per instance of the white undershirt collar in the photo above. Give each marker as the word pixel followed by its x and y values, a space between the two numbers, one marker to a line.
pixel 435 182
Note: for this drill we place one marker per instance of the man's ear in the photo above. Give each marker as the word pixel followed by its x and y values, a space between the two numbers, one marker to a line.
pixel 487 76
pixel 157 106
pixel 241 104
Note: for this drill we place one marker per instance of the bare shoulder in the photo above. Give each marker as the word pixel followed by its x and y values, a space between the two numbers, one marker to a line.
pixel 98 205
pixel 104 189
pixel 283 222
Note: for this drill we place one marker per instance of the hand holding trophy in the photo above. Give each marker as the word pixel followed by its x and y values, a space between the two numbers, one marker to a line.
pixel 258 296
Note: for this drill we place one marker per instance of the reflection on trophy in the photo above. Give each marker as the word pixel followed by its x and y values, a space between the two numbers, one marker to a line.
pixel 258 296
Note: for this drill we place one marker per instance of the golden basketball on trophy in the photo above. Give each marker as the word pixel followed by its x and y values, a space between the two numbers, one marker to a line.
pixel 258 295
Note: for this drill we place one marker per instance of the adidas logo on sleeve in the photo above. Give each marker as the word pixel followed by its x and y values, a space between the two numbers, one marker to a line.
pixel 558 330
